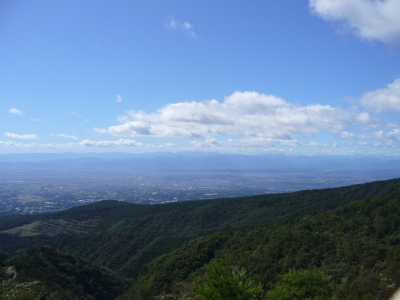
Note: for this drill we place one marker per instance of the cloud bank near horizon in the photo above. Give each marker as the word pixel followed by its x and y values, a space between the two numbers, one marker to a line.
pixel 21 136
pixel 249 122
pixel 242 114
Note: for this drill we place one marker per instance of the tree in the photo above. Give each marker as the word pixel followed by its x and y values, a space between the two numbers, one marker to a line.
pixel 310 283
pixel 228 282
pixel 23 291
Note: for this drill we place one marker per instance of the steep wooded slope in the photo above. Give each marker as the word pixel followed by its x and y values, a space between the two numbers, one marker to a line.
pixel 123 236
pixel 68 276
pixel 358 245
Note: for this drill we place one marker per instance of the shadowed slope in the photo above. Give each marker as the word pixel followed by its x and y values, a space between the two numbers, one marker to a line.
pixel 126 236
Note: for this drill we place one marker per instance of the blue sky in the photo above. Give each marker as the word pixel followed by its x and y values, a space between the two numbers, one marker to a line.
pixel 295 77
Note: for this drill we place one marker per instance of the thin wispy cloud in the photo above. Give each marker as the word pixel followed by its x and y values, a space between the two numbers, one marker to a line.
pixel 111 144
pixel 369 19
pixel 246 145
pixel 76 114
pixel 120 143
pixel 16 111
pixel 119 99
pixel 20 136
pixel 65 136
pixel 184 27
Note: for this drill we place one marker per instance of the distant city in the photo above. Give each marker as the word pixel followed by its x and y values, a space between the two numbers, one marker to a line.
pixel 33 188
pixel 48 186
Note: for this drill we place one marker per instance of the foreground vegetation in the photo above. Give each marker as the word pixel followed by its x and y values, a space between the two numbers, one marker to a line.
pixel 339 243
pixel 358 245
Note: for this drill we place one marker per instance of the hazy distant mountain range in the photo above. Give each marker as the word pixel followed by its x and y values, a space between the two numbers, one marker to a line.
pixel 199 161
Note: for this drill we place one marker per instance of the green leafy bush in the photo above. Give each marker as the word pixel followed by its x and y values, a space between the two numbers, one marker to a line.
pixel 302 284
pixel 228 282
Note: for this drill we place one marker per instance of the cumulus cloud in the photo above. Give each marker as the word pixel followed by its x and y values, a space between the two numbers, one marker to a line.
pixel 347 135
pixel 21 136
pixel 391 138
pixel 242 114
pixel 369 19
pixel 182 26
pixel 386 99
pixel 388 138
pixel 15 111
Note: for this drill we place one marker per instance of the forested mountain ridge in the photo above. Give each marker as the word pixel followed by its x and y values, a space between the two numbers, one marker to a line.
pixel 358 245
pixel 124 237
pixel 71 276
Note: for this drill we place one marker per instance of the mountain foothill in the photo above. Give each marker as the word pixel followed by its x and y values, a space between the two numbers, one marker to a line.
pixel 336 243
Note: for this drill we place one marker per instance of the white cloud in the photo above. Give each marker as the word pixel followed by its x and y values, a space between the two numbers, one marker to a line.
pixel 183 26
pixel 247 145
pixel 242 114
pixel 386 99
pixel 36 145
pixel 65 136
pixel 207 143
pixel 21 136
pixel 381 137
pixel 363 144
pixel 111 144
pixel 75 114
pixel 347 135
pixel 324 144
pixel 167 146
pixel 392 137
pixel 242 145
pixel 16 111
pixel 369 19
pixel 88 144
pixel 119 99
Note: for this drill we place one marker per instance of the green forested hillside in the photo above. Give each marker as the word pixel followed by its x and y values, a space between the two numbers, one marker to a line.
pixel 124 236
pixel 68 276
pixel 128 239
pixel 358 245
